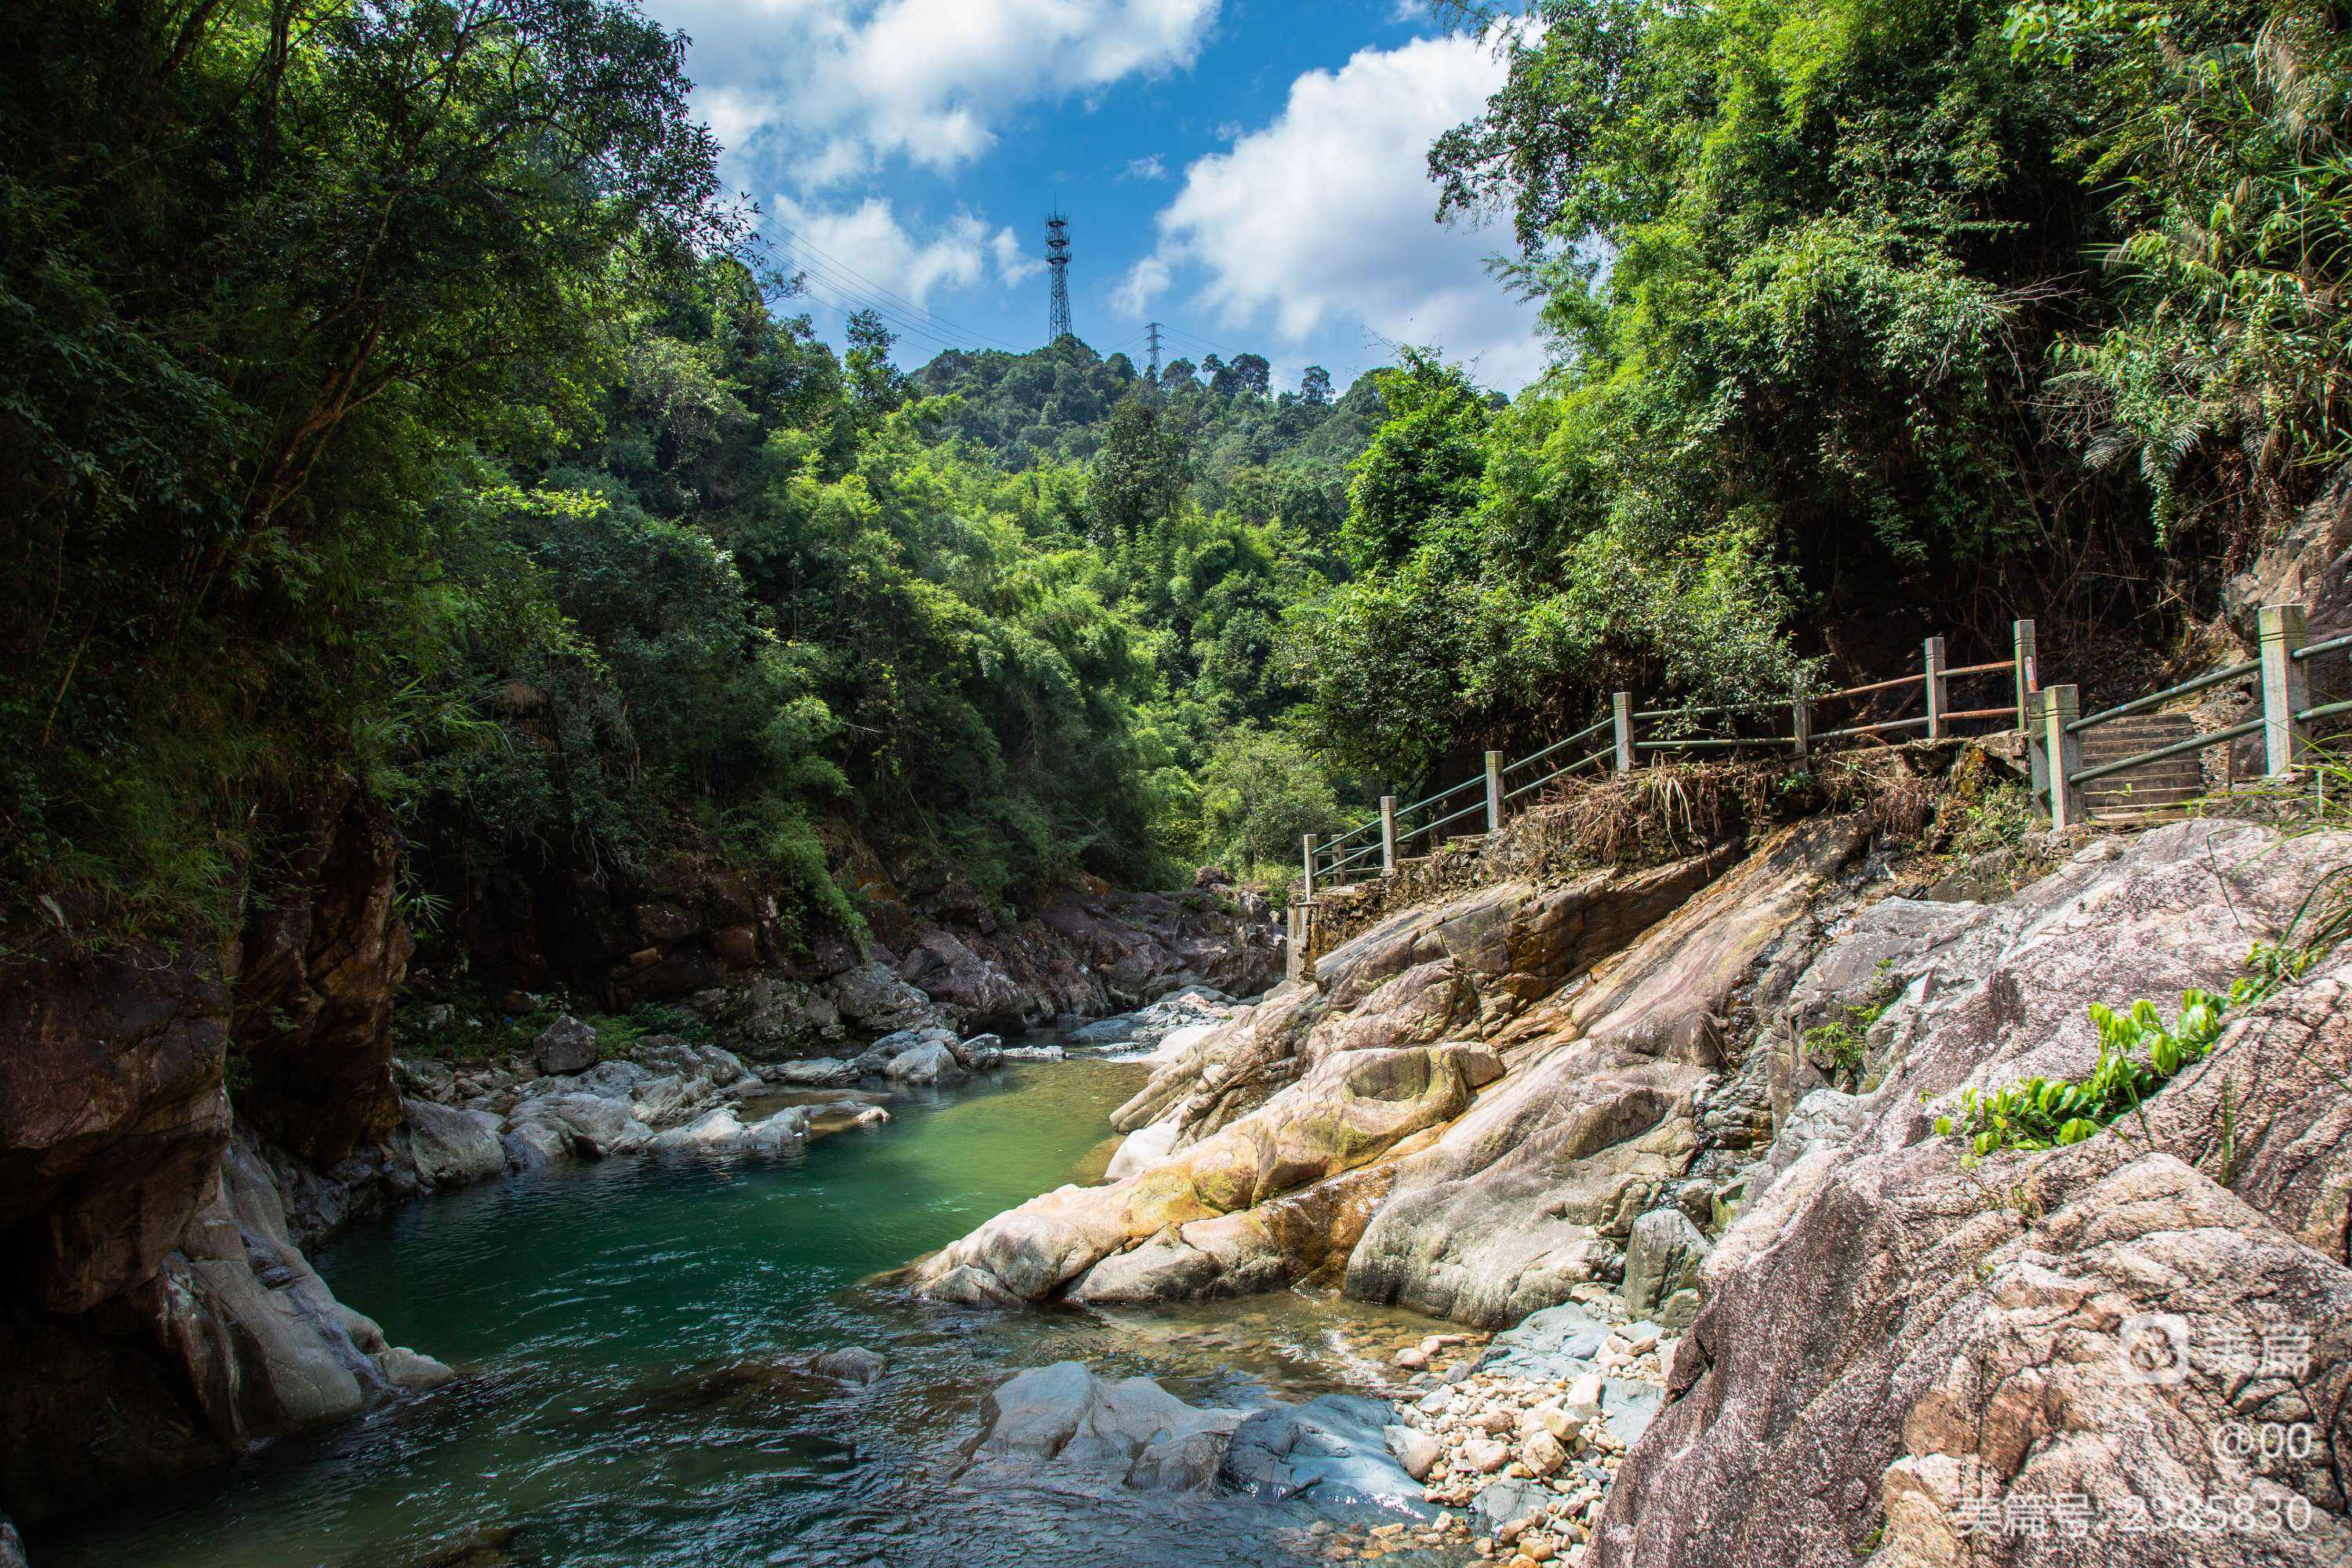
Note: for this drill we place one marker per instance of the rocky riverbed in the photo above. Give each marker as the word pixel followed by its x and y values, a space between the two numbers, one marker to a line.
pixel 1703 1097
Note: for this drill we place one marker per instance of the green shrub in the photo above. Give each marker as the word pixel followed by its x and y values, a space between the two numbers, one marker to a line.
pixel 2138 1054
pixel 1842 1043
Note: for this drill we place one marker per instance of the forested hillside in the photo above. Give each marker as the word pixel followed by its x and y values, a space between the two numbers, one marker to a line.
pixel 348 427
pixel 352 434
pixel 2004 310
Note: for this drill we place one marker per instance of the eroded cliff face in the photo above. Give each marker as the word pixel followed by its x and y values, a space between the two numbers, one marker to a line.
pixel 1906 1359
pixel 702 935
pixel 156 1317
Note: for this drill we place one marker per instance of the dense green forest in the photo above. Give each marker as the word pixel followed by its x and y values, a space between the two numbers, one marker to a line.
pixel 392 390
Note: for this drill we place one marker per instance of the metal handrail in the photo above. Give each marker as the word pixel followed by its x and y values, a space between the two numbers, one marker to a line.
pixel 1693 712
pixel 1869 729
pixel 2141 704
pixel 1985 669
pixel 1586 734
pixel 2310 650
pixel 2193 743
pixel 1713 741
pixel 1431 829
pixel 2325 710
pixel 1873 686
pixel 1560 772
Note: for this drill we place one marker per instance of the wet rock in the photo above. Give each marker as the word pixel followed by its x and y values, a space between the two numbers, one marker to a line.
pixel 1133 1431
pixel 451 1148
pixel 981 1052
pixel 1115 1031
pixel 852 1363
pixel 720 1132
pixel 566 1046
pixel 927 1063
pixel 1331 1452
pixel 817 1072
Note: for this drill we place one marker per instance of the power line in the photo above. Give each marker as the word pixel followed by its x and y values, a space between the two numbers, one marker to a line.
pixel 801 244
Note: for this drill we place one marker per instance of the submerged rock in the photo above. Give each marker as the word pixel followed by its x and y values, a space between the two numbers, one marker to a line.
pixel 1133 1431
pixel 851 1364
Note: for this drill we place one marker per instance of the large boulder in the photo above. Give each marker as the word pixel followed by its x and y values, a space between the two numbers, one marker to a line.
pixel 450 1148
pixel 1662 1268
pixel 1347 1111
pixel 234 1341
pixel 928 1062
pixel 1134 1431
pixel 872 996
pixel 588 1126
pixel 1537 1189
pixel 720 1132
pixel 566 1046
pixel 2060 1356
pixel 972 988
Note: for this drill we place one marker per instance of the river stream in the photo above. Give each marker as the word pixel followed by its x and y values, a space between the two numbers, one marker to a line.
pixel 629 1331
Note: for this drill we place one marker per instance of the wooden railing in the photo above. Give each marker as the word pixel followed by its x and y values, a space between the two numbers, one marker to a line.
pixel 2050 720
pixel 1476 805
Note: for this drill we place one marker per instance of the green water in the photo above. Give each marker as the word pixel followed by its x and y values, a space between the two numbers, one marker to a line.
pixel 628 1331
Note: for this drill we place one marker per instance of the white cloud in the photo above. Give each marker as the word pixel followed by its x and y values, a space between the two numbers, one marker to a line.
pixel 1326 215
pixel 1144 282
pixel 1014 264
pixel 1153 167
pixel 851 254
pixel 831 89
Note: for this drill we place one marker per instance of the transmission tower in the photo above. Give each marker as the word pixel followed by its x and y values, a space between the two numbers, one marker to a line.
pixel 1057 261
pixel 1155 353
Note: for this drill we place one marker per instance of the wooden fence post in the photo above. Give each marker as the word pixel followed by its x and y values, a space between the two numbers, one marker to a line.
pixel 2287 689
pixel 1388 834
pixel 1939 695
pixel 2061 706
pixel 1621 709
pixel 1311 841
pixel 1801 710
pixel 1494 792
pixel 2029 677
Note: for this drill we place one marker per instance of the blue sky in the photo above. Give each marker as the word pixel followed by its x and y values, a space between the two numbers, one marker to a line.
pixel 1248 172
